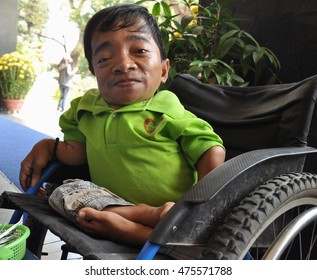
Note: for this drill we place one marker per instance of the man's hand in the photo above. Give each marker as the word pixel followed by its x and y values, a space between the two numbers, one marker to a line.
pixel 69 152
pixel 35 161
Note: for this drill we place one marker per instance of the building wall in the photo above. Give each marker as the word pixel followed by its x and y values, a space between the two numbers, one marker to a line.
pixel 8 25
pixel 288 28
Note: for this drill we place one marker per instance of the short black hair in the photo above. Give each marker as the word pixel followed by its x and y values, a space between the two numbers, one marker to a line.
pixel 118 17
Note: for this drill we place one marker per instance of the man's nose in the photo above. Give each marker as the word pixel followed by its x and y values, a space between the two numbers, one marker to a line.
pixel 124 63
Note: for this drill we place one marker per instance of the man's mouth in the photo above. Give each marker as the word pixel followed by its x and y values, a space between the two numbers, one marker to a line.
pixel 126 82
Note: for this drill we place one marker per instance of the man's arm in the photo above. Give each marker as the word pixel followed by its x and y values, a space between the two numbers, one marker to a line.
pixel 69 152
pixel 210 160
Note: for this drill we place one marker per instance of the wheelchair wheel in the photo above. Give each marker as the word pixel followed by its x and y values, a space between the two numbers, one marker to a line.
pixel 278 219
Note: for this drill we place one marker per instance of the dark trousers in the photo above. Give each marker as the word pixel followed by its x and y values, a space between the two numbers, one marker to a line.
pixel 62 101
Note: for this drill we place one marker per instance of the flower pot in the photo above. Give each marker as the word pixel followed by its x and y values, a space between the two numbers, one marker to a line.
pixel 12 105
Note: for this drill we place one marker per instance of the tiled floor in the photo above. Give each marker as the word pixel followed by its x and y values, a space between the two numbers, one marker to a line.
pixel 52 244
pixel 52 249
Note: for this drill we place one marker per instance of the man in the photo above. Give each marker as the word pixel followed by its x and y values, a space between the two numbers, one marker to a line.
pixel 141 145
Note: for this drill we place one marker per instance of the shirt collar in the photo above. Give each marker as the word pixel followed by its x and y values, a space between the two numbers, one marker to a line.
pixel 162 102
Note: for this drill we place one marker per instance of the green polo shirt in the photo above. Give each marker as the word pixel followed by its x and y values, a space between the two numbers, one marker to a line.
pixel 144 152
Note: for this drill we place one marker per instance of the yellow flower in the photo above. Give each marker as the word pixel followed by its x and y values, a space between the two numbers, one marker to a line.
pixel 5 56
pixel 194 9
pixel 17 75
pixel 178 35
pixel 193 22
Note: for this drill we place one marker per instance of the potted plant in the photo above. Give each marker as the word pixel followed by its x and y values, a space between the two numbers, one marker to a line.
pixel 17 76
pixel 207 43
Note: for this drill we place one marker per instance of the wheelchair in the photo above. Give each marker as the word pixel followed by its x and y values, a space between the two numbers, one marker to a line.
pixel 261 203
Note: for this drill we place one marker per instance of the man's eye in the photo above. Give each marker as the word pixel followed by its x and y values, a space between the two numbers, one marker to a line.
pixel 141 51
pixel 103 60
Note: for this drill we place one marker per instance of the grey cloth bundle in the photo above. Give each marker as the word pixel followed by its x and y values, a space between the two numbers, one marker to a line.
pixel 75 194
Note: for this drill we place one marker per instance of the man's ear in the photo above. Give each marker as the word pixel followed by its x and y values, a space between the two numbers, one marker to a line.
pixel 165 68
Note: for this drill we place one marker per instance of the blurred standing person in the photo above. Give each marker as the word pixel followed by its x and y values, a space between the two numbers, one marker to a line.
pixel 66 72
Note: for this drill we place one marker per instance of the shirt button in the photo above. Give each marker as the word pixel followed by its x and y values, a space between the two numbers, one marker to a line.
pixel 114 115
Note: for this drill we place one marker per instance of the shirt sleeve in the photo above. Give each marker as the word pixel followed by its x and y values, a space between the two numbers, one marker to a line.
pixel 69 123
pixel 196 137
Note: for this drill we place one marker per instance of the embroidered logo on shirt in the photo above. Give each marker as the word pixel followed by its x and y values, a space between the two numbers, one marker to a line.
pixel 149 125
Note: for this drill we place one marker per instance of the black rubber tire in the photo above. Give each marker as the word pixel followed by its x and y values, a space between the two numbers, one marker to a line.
pixel 248 221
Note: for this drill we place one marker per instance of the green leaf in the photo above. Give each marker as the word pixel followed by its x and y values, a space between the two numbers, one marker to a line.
pixel 206 74
pixel 193 41
pixel 156 10
pixel 240 43
pixel 227 35
pixel 195 63
pixel 273 59
pixel 246 34
pixel 197 30
pixel 195 70
pixel 220 79
pixel 186 20
pixel 248 50
pixel 172 72
pixel 258 55
pixel 237 78
pixel 166 9
pixel 226 46
pixel 227 66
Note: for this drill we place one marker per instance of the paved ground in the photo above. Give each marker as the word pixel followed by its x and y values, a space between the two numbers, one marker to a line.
pixel 39 110
pixel 40 107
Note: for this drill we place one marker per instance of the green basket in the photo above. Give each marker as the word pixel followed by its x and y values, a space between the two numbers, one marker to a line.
pixel 16 249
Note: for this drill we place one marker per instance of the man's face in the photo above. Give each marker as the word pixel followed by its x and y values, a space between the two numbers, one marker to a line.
pixel 127 65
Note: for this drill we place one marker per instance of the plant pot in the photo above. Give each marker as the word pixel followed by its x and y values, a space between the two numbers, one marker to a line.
pixel 12 105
